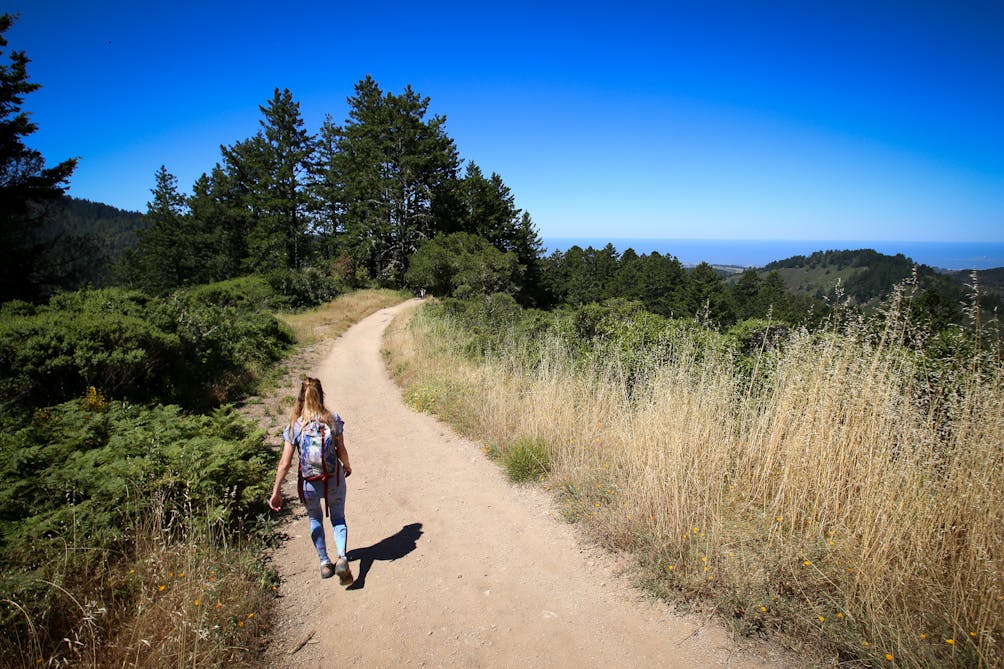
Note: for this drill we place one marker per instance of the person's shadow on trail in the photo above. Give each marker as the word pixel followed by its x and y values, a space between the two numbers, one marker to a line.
pixel 393 547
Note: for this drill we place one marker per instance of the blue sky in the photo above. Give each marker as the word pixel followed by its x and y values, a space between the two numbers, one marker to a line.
pixel 794 120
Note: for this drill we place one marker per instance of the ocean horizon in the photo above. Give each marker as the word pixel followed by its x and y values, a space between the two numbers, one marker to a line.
pixel 759 252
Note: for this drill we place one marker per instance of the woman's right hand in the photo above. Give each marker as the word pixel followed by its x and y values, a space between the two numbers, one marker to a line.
pixel 275 501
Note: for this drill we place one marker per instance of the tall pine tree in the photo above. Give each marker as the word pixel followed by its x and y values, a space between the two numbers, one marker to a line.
pixel 162 259
pixel 381 176
pixel 27 189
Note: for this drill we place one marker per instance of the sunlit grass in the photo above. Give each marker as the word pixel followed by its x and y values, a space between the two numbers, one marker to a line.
pixel 845 497
pixel 333 318
pixel 194 597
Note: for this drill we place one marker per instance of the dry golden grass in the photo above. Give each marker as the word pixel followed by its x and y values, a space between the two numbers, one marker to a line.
pixel 333 318
pixel 845 498
pixel 198 600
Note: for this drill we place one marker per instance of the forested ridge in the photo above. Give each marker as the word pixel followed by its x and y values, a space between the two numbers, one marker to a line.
pixel 126 337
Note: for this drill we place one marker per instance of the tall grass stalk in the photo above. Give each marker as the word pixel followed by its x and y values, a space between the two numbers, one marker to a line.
pixel 848 495
pixel 186 593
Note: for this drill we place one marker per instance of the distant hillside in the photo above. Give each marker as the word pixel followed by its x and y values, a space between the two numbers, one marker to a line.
pixel 864 275
pixel 991 281
pixel 868 277
pixel 89 237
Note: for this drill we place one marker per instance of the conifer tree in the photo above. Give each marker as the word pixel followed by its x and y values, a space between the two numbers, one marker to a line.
pixel 280 238
pixel 382 173
pixel 27 189
pixel 162 259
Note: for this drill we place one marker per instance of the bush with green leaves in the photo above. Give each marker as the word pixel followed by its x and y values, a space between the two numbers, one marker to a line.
pixel 222 348
pixel 184 348
pixel 103 338
pixel 82 469
pixel 247 293
pixel 301 288
pixel 87 485
pixel 463 265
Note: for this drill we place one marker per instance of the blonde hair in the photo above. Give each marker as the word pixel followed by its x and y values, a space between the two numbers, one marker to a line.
pixel 310 402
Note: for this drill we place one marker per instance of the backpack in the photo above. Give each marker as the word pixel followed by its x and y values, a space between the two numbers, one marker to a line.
pixel 318 457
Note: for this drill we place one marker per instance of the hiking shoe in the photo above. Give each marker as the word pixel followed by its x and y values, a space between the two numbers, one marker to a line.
pixel 327 570
pixel 343 571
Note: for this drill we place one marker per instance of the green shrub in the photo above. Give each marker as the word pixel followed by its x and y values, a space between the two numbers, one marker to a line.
pixel 526 460
pixel 82 469
pixel 90 487
pixel 222 348
pixel 301 288
pixel 247 293
pixel 184 348
pixel 102 338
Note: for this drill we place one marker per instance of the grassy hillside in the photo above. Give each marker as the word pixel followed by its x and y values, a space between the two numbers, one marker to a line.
pixel 867 279
pixel 835 487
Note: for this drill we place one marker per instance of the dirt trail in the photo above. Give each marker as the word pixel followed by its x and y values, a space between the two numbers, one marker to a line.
pixel 454 566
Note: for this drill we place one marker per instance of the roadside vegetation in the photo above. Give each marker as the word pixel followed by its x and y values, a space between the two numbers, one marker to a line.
pixel 835 487
pixel 133 524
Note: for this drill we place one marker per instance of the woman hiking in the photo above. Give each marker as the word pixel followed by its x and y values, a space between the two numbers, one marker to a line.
pixel 316 433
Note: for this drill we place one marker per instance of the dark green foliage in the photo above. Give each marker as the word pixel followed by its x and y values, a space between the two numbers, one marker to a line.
pixel 82 484
pixel 706 297
pixel 580 276
pixel 657 281
pixel 222 348
pixel 181 349
pixel 87 467
pixel 387 178
pixel 28 193
pixel 868 279
pixel 167 254
pixel 752 336
pixel 247 293
pixel 662 285
pixel 301 288
pixel 279 236
pixel 103 338
pixel 99 235
pixel 463 265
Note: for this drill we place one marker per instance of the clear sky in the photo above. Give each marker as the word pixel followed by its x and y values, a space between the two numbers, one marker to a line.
pixel 857 120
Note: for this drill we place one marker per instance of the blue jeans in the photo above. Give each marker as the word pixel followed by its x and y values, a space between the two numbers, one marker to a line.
pixel 312 493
